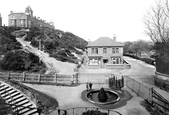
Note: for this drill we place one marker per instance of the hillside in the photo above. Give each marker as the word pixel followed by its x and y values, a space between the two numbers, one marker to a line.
pixel 55 43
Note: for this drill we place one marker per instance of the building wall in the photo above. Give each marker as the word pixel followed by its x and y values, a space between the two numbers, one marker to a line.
pixel 26 20
pixel 109 51
pixel 0 20
pixel 18 20
pixel 110 57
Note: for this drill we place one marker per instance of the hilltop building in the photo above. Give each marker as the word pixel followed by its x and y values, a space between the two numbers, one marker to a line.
pixel 26 19
pixel 105 53
pixel 0 20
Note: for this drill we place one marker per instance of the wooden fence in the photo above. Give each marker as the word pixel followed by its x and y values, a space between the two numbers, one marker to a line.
pixel 148 93
pixel 97 78
pixel 41 78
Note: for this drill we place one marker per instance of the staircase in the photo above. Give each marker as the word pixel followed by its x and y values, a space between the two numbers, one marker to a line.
pixel 18 101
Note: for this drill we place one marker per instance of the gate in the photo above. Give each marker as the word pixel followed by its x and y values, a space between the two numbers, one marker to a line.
pixel 97 78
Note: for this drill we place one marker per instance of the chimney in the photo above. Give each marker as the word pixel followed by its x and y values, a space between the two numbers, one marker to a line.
pixel 114 37
pixel 11 12
pixel 89 41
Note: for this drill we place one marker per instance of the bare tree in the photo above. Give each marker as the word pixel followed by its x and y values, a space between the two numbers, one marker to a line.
pixel 157 28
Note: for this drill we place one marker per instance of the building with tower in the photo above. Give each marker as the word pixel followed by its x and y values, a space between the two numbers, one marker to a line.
pixel 0 20
pixel 26 19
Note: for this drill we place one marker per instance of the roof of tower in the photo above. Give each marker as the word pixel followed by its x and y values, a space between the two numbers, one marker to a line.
pixel 29 8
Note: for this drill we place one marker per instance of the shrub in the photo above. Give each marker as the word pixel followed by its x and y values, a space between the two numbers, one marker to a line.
pixel 148 60
pixel 94 112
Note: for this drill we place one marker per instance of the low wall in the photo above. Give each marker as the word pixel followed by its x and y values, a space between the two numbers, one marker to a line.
pixel 162 81
pixel 110 66
pixel 126 65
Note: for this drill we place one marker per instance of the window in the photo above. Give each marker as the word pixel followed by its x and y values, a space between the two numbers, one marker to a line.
pixel 94 50
pixel 116 60
pixel 105 50
pixel 113 50
pixel 117 50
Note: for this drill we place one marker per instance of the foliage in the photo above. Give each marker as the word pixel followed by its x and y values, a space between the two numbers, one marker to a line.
pixel 162 66
pixel 5 109
pixel 57 41
pixel 19 60
pixel 163 84
pixel 148 61
pixel 102 96
pixel 135 48
pixel 157 28
pixel 7 40
pixel 94 112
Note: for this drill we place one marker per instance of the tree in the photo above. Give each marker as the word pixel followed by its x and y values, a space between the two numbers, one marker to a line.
pixel 157 28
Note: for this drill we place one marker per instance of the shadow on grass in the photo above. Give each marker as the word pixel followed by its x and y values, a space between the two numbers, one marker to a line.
pixel 5 109
pixel 124 97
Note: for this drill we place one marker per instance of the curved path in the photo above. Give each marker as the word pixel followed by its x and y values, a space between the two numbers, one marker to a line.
pixel 20 102
pixel 53 65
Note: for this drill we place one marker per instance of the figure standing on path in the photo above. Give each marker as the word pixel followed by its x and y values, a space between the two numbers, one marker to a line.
pixel 90 85
pixel 87 86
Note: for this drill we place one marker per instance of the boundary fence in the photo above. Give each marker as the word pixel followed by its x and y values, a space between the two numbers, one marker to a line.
pixel 148 93
pixel 41 78
pixel 80 110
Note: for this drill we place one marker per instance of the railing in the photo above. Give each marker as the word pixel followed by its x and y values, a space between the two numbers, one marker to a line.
pixel 149 94
pixel 80 110
pixel 41 78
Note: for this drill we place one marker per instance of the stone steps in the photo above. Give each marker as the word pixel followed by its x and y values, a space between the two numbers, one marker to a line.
pixel 18 101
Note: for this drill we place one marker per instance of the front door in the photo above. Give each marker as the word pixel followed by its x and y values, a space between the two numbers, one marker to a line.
pixel 105 61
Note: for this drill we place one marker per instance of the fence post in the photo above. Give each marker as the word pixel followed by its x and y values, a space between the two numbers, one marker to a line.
pixel 9 76
pixel 151 94
pixel 39 77
pixel 77 77
pixel 23 76
pixel 122 79
pixel 56 78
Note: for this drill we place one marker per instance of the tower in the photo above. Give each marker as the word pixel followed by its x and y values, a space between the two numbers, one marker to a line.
pixel 0 20
pixel 29 10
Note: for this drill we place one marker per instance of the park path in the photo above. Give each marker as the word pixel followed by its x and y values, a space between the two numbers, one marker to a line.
pixel 69 97
pixel 53 65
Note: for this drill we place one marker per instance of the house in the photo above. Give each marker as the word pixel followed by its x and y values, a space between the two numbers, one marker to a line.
pixel 105 52
pixel 26 19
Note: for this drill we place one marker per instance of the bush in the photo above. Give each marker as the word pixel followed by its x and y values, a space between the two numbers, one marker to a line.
pixel 132 56
pixel 148 60
pixel 94 112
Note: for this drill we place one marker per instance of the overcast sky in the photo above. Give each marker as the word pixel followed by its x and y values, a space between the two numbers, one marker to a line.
pixel 88 19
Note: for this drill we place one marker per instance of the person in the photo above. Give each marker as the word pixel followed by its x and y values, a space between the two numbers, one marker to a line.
pixel 90 85
pixel 87 86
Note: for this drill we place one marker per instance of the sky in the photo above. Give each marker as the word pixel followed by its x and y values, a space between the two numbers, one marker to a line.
pixel 88 19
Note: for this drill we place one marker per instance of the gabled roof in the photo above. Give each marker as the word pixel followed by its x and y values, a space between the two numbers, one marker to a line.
pixel 104 41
